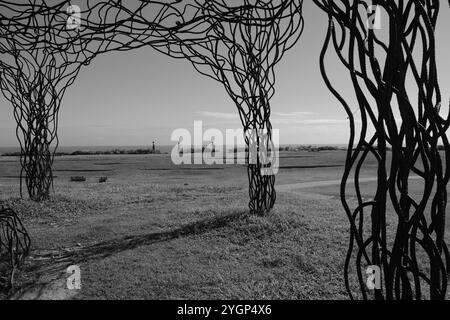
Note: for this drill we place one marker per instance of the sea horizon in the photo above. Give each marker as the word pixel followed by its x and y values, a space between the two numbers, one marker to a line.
pixel 162 148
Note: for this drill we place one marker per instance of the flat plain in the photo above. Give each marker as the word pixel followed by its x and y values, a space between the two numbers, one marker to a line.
pixel 154 230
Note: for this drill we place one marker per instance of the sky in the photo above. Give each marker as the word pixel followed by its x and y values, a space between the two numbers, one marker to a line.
pixel 136 97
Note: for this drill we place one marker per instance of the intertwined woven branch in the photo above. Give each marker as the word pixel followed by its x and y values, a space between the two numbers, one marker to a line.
pixel 239 46
pixel 40 57
pixel 38 63
pixel 394 75
pixel 14 246
pixel 240 49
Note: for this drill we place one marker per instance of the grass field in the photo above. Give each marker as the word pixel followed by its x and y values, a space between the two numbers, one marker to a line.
pixel 158 231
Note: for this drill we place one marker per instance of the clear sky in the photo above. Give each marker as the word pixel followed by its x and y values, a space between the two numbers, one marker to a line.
pixel 133 98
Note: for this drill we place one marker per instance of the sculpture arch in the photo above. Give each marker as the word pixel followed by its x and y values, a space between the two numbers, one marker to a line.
pixel 379 69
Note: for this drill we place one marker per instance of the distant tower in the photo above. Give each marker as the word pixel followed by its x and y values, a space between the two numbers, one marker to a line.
pixel 153 148
pixel 213 150
pixel 180 148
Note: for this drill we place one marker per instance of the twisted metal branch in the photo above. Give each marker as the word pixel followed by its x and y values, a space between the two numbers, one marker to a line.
pixel 14 246
pixel 37 65
pixel 394 75
pixel 239 46
pixel 40 57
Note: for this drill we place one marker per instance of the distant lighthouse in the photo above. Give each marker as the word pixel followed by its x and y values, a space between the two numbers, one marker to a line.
pixel 153 147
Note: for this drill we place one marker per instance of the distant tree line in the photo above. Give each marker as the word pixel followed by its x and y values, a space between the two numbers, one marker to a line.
pixel 87 153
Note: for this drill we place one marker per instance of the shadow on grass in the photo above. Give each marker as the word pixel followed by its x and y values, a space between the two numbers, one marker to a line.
pixel 57 261
pixel 180 169
pixel 52 265
pixel 312 167
pixel 81 170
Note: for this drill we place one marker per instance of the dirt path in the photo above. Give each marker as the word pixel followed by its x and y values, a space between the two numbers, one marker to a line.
pixel 296 187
